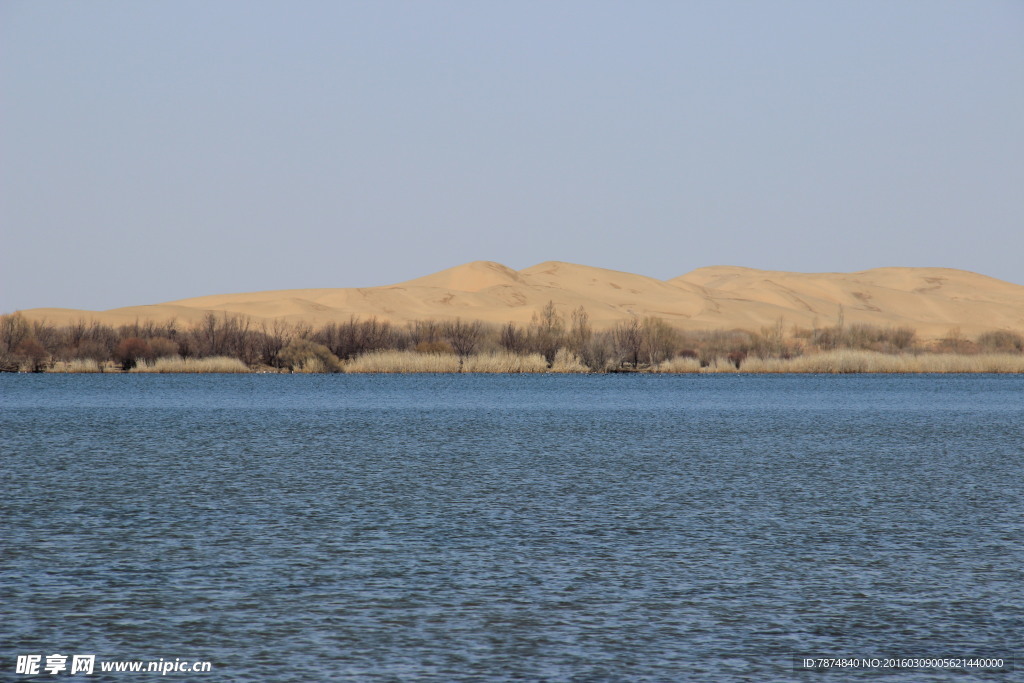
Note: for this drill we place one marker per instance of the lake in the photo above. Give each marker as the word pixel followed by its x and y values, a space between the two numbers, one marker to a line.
pixel 512 527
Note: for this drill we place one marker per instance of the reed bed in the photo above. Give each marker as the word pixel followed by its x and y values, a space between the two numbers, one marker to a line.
pixel 721 366
pixel 843 361
pixel 567 362
pixel 505 362
pixel 403 361
pixel 79 365
pixel 496 362
pixel 680 364
pixel 848 361
pixel 213 364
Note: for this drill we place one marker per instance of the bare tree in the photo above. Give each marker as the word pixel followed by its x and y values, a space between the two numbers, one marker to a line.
pixel 999 341
pixel 13 331
pixel 514 339
pixel 463 336
pixel 660 340
pixel 33 353
pixel 74 335
pixel 547 332
pixel 598 351
pixel 271 340
pixel 424 332
pixel 770 341
pixel 629 340
pixel 579 332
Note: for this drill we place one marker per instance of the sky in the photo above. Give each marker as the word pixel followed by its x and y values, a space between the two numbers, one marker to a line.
pixel 162 150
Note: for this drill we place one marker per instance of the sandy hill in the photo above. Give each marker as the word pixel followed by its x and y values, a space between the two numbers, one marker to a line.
pixel 931 300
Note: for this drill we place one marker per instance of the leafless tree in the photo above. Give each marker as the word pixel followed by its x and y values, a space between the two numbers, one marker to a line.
pixel 463 335
pixel 579 332
pixel 271 339
pixel 513 338
pixel 547 332
pixel 32 352
pixel 629 340
pixel 660 340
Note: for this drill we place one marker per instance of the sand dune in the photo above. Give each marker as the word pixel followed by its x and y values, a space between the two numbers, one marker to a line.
pixel 931 300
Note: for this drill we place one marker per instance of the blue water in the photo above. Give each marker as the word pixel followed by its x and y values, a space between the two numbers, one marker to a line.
pixel 476 528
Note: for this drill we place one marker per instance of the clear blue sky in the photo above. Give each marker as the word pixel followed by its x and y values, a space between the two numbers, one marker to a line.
pixel 151 151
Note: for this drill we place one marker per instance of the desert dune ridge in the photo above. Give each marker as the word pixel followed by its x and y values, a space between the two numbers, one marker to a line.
pixel 933 301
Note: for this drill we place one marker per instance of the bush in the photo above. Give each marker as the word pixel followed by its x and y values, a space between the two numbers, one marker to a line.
pixel 1001 341
pixel 33 354
pixel 162 347
pixel 130 351
pixel 303 355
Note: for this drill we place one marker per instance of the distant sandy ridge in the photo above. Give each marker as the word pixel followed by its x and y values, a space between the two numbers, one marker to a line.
pixel 933 301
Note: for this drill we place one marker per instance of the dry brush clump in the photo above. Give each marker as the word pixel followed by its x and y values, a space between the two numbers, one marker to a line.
pixel 1001 341
pixel 858 336
pixel 303 355
pixel 357 336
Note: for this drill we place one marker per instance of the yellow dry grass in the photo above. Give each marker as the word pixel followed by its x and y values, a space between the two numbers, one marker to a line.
pixel 213 364
pixel 679 365
pixel 412 362
pixel 403 361
pixel 850 361
pixel 79 365
pixel 567 362
pixel 505 362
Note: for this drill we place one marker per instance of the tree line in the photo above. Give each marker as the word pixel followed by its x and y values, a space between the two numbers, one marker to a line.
pixel 628 345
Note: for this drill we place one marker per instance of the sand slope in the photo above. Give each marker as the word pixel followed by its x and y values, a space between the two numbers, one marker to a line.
pixel 931 300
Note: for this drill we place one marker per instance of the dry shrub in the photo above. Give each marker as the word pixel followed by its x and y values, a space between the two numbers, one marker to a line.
pixel 162 347
pixel 131 351
pixel 32 355
pixel 303 355
pixel 1001 341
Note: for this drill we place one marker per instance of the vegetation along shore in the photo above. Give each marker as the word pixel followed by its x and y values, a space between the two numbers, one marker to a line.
pixel 551 342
